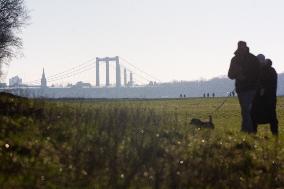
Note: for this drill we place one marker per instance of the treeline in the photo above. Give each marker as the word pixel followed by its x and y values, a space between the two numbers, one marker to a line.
pixel 221 86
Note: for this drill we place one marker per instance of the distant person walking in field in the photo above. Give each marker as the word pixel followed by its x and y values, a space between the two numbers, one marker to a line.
pixel 264 105
pixel 244 68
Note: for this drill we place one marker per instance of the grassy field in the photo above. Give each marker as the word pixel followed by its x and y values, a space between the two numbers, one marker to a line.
pixel 134 144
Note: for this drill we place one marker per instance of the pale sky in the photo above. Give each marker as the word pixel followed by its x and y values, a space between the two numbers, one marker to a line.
pixel 169 39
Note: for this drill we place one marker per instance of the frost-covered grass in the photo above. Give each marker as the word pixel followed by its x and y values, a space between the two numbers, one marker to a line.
pixel 134 144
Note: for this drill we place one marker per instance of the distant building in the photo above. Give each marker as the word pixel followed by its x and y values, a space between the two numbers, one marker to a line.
pixel 151 83
pixel 43 80
pixel 3 85
pixel 81 84
pixel 15 81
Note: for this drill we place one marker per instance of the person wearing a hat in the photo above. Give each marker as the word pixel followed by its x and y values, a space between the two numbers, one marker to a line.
pixel 264 105
pixel 245 69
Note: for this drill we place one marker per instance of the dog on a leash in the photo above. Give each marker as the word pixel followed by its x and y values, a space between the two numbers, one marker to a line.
pixel 203 124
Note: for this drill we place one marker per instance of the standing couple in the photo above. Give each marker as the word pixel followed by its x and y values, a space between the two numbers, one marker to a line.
pixel 256 86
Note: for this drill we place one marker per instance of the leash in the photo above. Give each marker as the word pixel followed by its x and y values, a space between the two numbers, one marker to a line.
pixel 223 102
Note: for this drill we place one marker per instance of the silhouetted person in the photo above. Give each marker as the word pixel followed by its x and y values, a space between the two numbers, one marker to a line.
pixel 233 94
pixel 180 95
pixel 204 95
pixel 213 95
pixel 184 96
pixel 244 68
pixel 264 105
pixel 208 95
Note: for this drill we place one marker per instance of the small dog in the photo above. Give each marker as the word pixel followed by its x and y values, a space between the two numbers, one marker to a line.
pixel 203 124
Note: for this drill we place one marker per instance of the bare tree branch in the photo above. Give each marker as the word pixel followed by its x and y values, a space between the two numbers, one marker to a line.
pixel 13 16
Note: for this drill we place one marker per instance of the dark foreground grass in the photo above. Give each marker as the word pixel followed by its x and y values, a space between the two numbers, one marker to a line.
pixel 133 144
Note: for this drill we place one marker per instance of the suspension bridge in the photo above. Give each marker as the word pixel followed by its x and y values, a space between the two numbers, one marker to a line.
pixel 120 64
pixel 128 77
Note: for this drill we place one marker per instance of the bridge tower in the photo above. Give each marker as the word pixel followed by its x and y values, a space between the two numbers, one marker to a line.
pixel 125 77
pixel 118 77
pixel 107 72
pixel 107 60
pixel 97 72
pixel 131 82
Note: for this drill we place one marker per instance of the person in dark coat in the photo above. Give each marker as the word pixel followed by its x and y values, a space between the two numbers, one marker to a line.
pixel 245 68
pixel 264 105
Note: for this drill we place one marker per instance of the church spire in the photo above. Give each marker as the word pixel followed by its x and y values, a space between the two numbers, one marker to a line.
pixel 43 79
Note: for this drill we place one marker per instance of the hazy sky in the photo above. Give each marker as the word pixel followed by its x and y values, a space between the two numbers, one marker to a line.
pixel 169 39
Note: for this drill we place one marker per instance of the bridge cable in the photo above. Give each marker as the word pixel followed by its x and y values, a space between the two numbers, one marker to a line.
pixel 129 63
pixel 73 69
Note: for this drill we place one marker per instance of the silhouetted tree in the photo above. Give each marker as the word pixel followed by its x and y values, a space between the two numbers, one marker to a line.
pixel 13 16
